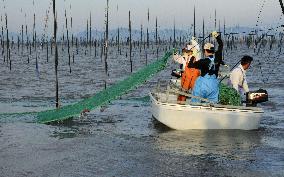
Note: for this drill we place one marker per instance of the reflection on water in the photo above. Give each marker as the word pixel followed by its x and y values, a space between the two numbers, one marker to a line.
pixel 202 142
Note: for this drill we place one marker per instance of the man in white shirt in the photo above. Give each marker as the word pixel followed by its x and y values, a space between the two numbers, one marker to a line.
pixel 238 75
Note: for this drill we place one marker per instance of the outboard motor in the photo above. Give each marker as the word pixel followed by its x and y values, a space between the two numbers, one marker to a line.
pixel 255 97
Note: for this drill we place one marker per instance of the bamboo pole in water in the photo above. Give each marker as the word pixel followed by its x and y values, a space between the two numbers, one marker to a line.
pixel 71 26
pixel 156 39
pixel 68 43
pixel 34 32
pixel 10 62
pixel 27 42
pixel 30 48
pixel 56 55
pixel 141 38
pixel 130 43
pixel 148 18
pixel 77 45
pixel 90 40
pixel 215 24
pixel 146 58
pixel 87 36
pixel 7 39
pixel 22 43
pixel 203 36
pixel 72 38
pixel 118 41
pixel 36 52
pixel 47 52
pixel 174 33
pixel 102 48
pixel 156 34
pixel 35 38
pixel 3 44
pixel 194 32
pixel 2 36
pixel 95 43
pixel 106 44
pixel 215 19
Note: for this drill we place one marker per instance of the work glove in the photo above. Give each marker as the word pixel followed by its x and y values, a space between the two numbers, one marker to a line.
pixel 194 42
pixel 215 34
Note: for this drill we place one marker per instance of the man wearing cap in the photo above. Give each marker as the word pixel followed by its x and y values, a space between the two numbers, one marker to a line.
pixel 187 53
pixel 190 74
pixel 207 85
pixel 238 75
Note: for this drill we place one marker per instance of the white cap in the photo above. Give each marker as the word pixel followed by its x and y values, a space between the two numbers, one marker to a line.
pixel 209 46
pixel 190 47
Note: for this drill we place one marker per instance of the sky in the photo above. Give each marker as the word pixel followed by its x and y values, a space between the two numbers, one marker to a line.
pixel 234 12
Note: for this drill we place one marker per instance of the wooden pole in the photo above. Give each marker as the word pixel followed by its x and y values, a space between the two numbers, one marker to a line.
pixel 27 40
pixel 174 33
pixel 156 36
pixel 47 52
pixel 90 40
pixel 215 19
pixel 2 43
pixel 224 33
pixel 118 40
pixel 87 36
pixel 56 54
pixel 148 18
pixel 141 37
pixel 203 36
pixel 22 38
pixel 106 45
pixel 215 24
pixel 34 32
pixel 7 40
pixel 68 43
pixel 130 44
pixel 194 32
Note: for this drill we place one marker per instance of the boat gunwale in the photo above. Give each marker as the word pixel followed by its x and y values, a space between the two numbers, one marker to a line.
pixel 214 107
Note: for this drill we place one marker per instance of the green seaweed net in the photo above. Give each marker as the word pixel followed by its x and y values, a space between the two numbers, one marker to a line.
pixel 229 96
pixel 105 96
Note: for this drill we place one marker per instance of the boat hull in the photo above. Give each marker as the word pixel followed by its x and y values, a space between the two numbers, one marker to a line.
pixel 184 117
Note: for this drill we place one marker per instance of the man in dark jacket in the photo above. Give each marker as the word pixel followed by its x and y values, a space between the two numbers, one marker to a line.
pixel 207 85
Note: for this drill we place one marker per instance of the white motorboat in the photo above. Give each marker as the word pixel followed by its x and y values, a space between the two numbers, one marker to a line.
pixel 202 116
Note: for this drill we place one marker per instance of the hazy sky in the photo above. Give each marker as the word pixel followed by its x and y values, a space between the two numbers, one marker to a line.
pixel 242 12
